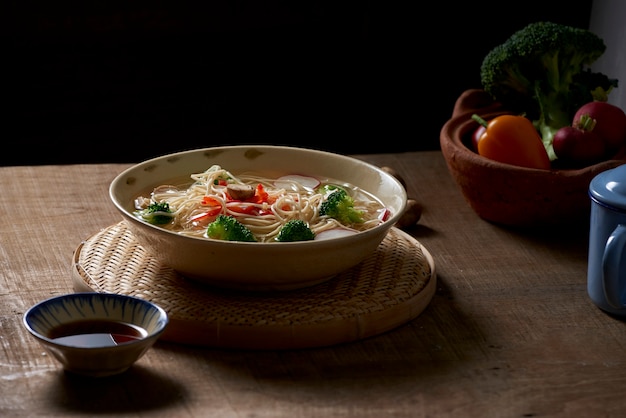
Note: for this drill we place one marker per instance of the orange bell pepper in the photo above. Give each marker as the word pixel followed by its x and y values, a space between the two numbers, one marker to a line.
pixel 512 139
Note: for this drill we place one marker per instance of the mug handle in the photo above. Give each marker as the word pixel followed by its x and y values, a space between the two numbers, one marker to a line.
pixel 611 261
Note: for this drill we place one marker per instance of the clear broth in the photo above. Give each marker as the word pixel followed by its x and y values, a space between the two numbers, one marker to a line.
pixel 183 183
pixel 96 333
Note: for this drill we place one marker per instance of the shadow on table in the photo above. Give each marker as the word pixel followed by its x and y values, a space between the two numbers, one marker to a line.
pixel 124 393
pixel 418 351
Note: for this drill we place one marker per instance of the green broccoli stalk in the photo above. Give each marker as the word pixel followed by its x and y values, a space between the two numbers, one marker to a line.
pixel 539 71
pixel 339 205
pixel 228 228
pixel 156 213
pixel 295 230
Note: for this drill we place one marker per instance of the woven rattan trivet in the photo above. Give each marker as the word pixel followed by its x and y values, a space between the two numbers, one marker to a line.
pixel 387 290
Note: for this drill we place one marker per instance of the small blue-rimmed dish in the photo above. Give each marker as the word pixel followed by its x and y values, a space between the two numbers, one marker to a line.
pixel 96 334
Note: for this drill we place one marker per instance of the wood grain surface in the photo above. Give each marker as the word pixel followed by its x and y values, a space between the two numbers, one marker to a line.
pixel 510 331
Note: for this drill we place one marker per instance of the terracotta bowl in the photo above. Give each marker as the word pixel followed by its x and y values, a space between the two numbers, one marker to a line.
pixel 510 195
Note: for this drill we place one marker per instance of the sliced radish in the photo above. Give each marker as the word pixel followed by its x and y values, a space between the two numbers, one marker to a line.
pixel 286 182
pixel 334 233
pixel 384 214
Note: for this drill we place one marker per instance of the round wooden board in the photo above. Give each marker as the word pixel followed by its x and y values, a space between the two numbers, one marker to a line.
pixel 388 289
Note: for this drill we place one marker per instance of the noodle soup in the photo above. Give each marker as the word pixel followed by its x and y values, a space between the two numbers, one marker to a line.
pixel 265 264
pixel 262 203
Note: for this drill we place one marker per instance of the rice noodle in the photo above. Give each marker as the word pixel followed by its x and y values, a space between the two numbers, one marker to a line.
pixel 192 214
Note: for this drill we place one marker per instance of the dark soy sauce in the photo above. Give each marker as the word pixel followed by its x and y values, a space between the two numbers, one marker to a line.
pixel 96 333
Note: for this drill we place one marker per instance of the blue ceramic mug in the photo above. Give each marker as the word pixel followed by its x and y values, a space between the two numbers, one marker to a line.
pixel 606 271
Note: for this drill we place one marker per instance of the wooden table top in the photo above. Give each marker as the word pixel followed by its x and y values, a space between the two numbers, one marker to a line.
pixel 510 331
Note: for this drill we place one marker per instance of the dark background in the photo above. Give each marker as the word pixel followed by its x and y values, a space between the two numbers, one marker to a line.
pixel 120 81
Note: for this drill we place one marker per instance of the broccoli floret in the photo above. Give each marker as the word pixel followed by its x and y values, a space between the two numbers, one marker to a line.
pixel 339 205
pixel 295 230
pixel 228 228
pixel 156 213
pixel 540 71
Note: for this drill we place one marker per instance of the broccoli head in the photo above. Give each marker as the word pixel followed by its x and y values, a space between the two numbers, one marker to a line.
pixel 156 213
pixel 540 71
pixel 228 228
pixel 295 230
pixel 339 205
